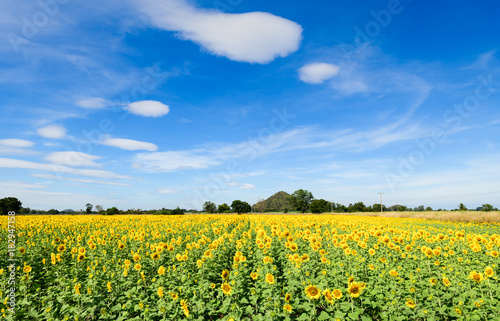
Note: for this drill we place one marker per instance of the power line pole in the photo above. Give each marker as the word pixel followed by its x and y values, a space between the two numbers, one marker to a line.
pixel 381 205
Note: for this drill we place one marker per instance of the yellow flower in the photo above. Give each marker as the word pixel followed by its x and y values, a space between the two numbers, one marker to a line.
pixel 225 274
pixel 312 292
pixel 446 281
pixel 488 271
pixel 185 308
pixel 433 281
pixel 288 308
pixel 174 296
pixel 254 275
pixel 77 288
pixel 337 294
pixel 80 257
pixel 138 266
pixel 155 256
pixel 27 269
pixel 371 252
pixel 226 288
pixel 288 296
pixel 475 276
pixel 137 257
pixel 160 292
pixel 109 286
pixel 410 303
pixel 328 296
pixel 355 289
pixel 161 270
pixel 269 278
pixel 393 273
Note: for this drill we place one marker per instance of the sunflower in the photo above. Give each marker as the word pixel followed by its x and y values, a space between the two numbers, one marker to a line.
pixel 494 253
pixel 410 303
pixel 270 278
pixel 127 263
pixel 121 246
pixel 288 308
pixel 155 256
pixel 174 296
pixel 371 252
pixel 138 266
pixel 383 259
pixel 393 273
pixel 185 308
pixel 137 257
pixel 313 292
pixel 371 267
pixel 82 250
pixel 433 281
pixel 288 297
pixel 355 289
pixel 27 269
pixel 225 274
pixel 446 281
pixel 61 248
pixel 226 288
pixel 254 275
pixel 160 292
pixel 293 247
pixel 488 271
pixel 80 257
pixel 337 294
pixel 475 276
pixel 328 296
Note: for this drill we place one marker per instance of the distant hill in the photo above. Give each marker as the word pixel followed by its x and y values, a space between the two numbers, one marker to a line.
pixel 276 203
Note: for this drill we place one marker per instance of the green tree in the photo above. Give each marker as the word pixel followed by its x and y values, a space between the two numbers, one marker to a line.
pixel 487 207
pixel 111 211
pixel 223 208
pixel 376 207
pixel 88 208
pixel 319 206
pixel 10 204
pixel 357 207
pixel 462 207
pixel 52 211
pixel 240 207
pixel 428 208
pixel 301 200
pixel 209 207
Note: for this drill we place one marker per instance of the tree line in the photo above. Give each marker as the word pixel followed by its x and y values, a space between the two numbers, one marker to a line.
pixel 301 200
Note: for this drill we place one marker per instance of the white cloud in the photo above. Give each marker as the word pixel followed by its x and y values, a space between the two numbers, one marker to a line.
pixel 173 160
pixel 129 144
pixel 52 131
pixel 13 142
pixel 59 169
pixel 148 108
pixel 317 73
pixel 79 180
pixel 93 103
pixel 166 191
pixel 255 37
pixel 72 159
pixel 247 186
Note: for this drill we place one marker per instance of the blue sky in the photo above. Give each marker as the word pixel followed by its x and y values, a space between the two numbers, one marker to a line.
pixel 150 104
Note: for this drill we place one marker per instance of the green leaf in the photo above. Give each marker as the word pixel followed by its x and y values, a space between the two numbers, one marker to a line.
pixel 303 317
pixel 324 316
pixel 354 315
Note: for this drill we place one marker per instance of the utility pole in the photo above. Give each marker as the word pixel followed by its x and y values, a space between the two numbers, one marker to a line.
pixel 381 206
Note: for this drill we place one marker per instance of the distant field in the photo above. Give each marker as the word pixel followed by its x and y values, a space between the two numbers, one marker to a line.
pixel 459 216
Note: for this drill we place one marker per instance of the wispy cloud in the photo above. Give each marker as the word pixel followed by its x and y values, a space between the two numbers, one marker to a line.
pixel 73 159
pixel 59 169
pixel 129 144
pixel 78 180
pixel 318 73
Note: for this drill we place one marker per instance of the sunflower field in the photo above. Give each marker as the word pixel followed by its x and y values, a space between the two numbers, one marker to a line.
pixel 255 267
